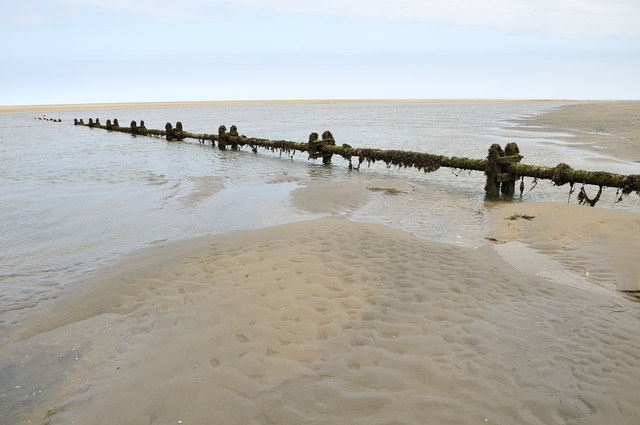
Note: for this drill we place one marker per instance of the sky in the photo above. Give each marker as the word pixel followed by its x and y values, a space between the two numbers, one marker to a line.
pixel 94 51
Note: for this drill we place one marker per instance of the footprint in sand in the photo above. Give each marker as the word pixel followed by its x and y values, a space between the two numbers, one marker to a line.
pixel 214 362
pixel 242 338
pixel 353 365
pixel 270 352
pixel 263 420
pixel 322 334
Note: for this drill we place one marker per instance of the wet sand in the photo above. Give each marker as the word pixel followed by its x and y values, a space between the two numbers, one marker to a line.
pixel 600 246
pixel 330 321
pixel 611 128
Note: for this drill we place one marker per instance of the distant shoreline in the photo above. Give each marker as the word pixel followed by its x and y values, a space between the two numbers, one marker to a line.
pixel 121 105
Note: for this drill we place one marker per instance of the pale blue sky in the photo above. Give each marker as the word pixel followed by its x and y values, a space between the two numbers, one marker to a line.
pixel 83 51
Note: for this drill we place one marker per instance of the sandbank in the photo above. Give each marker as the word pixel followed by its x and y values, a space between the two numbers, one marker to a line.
pixel 608 127
pixel 330 321
pixel 121 105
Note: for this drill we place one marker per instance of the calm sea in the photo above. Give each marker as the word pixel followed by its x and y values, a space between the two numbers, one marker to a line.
pixel 73 199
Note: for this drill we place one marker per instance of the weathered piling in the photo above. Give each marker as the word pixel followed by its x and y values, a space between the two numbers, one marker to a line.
pixel 501 176
pixel 502 168
pixel 168 128
pixel 222 137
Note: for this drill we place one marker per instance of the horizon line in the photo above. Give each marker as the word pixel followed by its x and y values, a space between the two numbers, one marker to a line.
pixel 157 104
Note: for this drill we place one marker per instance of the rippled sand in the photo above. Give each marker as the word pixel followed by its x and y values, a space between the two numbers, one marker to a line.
pixel 330 321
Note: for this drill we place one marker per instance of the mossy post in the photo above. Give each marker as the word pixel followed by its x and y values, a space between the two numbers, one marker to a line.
pixel 142 129
pixel 507 178
pixel 501 170
pixel 222 137
pixel 177 134
pixel 327 139
pixel 168 128
pixel 115 123
pixel 492 184
pixel 317 148
pixel 314 146
pixel 108 125
pixel 90 122
pixel 233 137
pixel 97 121
pixel 75 121
pixel 134 128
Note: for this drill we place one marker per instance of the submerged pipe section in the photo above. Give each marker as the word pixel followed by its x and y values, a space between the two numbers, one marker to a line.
pixel 502 167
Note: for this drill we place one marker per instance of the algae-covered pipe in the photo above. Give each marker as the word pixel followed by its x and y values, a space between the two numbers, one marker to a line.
pixel 562 174
pixel 504 168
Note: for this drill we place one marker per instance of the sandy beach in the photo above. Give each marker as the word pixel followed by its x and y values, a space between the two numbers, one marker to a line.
pixel 611 128
pixel 330 321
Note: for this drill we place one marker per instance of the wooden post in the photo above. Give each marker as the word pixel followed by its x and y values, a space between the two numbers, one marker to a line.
pixel 327 139
pixel 501 170
pixel 508 179
pixel 142 129
pixel 233 137
pixel 91 122
pixel 115 123
pixel 314 145
pixel 492 185
pixel 177 132
pixel 169 131
pixel 317 148
pixel 134 128
pixel 109 126
pixel 222 137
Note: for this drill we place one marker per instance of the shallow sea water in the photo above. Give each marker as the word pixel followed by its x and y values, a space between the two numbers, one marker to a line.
pixel 74 199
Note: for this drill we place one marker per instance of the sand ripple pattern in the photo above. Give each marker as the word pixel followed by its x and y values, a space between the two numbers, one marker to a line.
pixel 332 322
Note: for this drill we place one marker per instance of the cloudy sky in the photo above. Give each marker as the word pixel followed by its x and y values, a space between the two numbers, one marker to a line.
pixel 80 51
